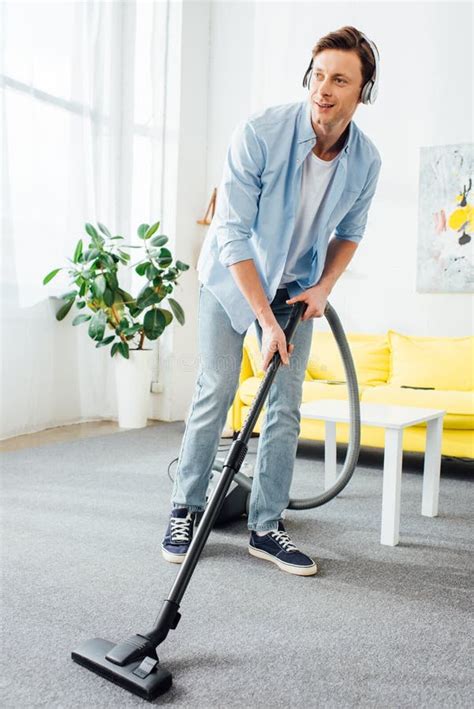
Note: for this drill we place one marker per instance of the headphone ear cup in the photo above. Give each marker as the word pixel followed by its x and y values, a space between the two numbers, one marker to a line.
pixel 307 76
pixel 366 93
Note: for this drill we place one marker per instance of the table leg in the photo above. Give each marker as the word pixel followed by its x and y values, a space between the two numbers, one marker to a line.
pixel 330 455
pixel 432 467
pixel 392 480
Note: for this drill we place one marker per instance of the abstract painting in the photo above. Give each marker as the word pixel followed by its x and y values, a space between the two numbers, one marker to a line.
pixel 446 220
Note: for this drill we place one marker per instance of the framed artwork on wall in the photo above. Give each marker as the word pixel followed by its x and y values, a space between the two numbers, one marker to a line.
pixel 446 220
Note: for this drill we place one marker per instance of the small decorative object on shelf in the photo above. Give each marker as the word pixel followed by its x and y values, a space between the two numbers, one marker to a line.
pixel 211 208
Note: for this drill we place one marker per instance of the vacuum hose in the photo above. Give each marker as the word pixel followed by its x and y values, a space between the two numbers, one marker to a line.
pixel 353 448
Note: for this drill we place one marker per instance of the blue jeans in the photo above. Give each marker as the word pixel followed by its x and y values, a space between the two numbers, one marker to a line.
pixel 220 357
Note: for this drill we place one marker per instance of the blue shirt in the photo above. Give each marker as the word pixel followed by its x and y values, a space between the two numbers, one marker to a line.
pixel 258 198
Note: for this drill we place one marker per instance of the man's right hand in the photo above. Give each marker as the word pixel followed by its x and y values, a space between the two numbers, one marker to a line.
pixel 274 340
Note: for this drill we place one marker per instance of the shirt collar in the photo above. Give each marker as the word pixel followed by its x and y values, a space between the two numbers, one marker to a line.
pixel 306 131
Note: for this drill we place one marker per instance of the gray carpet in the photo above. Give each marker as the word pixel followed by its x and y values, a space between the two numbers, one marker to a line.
pixel 376 627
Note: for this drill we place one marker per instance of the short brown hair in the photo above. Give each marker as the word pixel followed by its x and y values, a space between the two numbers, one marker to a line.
pixel 349 39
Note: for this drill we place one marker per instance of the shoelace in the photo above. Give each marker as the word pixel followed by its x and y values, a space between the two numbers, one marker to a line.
pixel 181 529
pixel 285 541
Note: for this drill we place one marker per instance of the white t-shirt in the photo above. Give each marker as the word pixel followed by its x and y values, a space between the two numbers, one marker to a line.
pixel 315 182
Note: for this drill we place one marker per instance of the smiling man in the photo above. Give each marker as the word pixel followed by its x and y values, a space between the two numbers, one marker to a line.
pixel 294 175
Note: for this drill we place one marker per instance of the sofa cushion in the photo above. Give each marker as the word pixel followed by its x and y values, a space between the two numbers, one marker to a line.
pixel 438 362
pixel 312 390
pixel 459 405
pixel 256 360
pixel 315 390
pixel 370 353
pixel 248 389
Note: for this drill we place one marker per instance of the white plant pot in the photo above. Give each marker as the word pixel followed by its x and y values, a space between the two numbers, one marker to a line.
pixel 133 380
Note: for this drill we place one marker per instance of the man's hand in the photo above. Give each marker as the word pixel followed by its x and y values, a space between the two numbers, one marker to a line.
pixel 273 340
pixel 315 299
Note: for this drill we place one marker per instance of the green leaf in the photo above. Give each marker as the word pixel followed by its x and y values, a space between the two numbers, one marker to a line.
pixel 64 309
pixel 123 349
pixel 100 285
pixel 182 266
pixel 178 312
pixel 147 297
pixel 130 331
pixel 104 230
pixel 112 281
pixel 109 297
pixel 108 261
pixel 77 251
pixel 171 274
pixel 154 323
pixel 142 267
pixel 151 272
pixel 82 289
pixel 118 237
pixel 142 230
pixel 106 341
pixel 80 304
pixel 51 275
pixel 158 283
pixel 91 254
pixel 91 230
pixel 97 325
pixel 127 298
pixel 159 240
pixel 165 258
pixel 167 315
pixel 70 294
pixel 152 230
pixel 97 240
pixel 123 324
pixel 81 318
pixel 124 255
pixel 114 348
pixel 135 311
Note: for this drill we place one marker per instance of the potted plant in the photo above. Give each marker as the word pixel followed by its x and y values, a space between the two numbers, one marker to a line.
pixel 115 318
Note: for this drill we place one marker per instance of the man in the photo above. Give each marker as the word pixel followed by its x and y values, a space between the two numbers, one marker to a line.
pixel 294 173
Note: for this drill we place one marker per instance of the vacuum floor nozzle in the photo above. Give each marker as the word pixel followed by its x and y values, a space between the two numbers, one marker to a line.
pixel 145 678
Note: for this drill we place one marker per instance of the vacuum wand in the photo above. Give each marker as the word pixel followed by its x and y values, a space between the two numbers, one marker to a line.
pixel 169 615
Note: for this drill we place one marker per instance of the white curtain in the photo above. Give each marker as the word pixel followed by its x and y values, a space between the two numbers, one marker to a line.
pixel 83 88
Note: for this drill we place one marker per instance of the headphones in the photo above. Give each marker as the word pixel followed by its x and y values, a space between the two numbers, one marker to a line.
pixel 370 90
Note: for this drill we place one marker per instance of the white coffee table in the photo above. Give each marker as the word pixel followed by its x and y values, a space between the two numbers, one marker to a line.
pixel 393 419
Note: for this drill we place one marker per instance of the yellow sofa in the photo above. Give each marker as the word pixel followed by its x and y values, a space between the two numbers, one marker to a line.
pixel 429 372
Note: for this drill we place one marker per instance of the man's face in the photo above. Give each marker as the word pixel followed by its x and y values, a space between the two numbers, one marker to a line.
pixel 336 79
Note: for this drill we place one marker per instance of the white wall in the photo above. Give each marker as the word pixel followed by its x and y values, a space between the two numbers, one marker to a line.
pixel 185 199
pixel 425 98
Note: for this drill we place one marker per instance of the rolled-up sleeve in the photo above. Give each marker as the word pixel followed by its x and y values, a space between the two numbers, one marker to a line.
pixel 352 226
pixel 238 195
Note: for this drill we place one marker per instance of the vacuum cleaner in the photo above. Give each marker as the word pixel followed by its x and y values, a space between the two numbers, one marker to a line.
pixel 133 664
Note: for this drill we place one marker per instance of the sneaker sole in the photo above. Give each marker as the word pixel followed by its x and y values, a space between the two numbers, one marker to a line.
pixel 298 570
pixel 173 558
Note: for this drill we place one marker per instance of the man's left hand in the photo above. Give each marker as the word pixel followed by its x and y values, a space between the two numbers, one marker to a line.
pixel 315 299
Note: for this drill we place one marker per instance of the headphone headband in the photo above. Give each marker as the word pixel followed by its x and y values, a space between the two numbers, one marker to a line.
pixel 370 90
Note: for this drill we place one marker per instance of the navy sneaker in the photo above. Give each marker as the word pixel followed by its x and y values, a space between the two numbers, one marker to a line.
pixel 276 546
pixel 178 536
